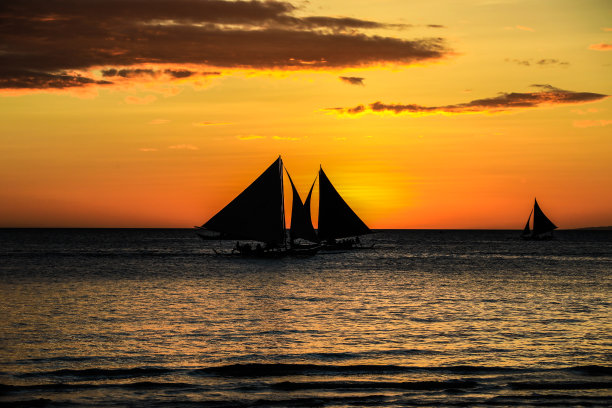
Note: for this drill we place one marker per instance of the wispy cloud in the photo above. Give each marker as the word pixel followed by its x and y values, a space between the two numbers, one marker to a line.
pixel 285 138
pixel 546 96
pixel 118 41
pixel 592 123
pixel 158 121
pixel 352 80
pixel 541 62
pixel 148 149
pixel 585 111
pixel 520 27
pixel 135 100
pixel 17 78
pixel 250 137
pixel 203 124
pixel 600 47
pixel 183 147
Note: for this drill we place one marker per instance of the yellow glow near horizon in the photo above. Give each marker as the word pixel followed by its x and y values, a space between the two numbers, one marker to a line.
pixel 165 148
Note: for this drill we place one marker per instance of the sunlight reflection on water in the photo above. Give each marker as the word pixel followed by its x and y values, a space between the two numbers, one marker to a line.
pixel 425 300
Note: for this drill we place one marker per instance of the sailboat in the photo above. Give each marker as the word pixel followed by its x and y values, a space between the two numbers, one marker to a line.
pixel 542 226
pixel 336 219
pixel 256 214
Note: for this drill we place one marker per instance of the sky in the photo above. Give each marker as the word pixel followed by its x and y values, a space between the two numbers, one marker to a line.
pixel 423 114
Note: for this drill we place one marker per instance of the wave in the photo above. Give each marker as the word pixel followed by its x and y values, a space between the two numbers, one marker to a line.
pixel 280 369
pixel 31 403
pixel 594 370
pixel 561 385
pixel 102 372
pixel 402 385
pixel 290 369
pixel 4 388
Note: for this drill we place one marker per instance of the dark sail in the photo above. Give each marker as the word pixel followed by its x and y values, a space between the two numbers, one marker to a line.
pixel 257 213
pixel 541 223
pixel 527 231
pixel 301 223
pixel 336 218
pixel 307 205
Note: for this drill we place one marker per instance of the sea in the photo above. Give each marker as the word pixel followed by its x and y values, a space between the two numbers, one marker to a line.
pixel 427 318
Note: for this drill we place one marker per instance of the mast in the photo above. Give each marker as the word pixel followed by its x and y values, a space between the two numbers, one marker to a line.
pixel 282 197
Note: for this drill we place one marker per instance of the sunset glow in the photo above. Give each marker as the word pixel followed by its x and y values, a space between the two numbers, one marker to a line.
pixel 424 114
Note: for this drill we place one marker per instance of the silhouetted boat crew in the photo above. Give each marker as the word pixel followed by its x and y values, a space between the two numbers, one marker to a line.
pixel 542 226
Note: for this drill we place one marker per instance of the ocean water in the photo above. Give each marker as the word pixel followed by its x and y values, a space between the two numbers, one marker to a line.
pixel 428 318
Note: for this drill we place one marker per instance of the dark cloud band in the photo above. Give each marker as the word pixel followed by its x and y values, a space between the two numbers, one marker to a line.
pixel 548 95
pixel 51 37
pixel 352 80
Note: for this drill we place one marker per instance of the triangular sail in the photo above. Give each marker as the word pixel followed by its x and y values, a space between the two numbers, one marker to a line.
pixel 541 223
pixel 301 223
pixel 336 218
pixel 307 203
pixel 527 231
pixel 257 213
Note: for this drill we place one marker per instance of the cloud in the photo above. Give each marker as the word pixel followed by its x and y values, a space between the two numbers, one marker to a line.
pixel 541 62
pixel 20 79
pixel 600 47
pixel 158 121
pixel 184 147
pixel 585 111
pixel 135 100
pixel 201 124
pixel 152 73
pixel 148 149
pixel 591 123
pixel 352 80
pixel 123 40
pixel 250 137
pixel 547 95
pixel 520 27
pixel 285 138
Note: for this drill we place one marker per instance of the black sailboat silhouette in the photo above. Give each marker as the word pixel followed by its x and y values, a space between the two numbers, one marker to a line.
pixel 542 226
pixel 257 214
pixel 336 218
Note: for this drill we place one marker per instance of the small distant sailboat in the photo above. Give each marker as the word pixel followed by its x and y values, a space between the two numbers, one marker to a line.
pixel 336 219
pixel 542 226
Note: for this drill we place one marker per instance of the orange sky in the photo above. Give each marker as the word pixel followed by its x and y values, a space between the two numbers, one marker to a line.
pixel 424 114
